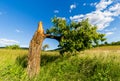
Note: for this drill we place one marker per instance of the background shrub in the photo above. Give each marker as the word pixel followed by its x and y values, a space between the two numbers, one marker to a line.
pixel 13 47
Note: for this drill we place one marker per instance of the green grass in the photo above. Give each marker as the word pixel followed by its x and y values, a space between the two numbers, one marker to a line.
pixel 98 64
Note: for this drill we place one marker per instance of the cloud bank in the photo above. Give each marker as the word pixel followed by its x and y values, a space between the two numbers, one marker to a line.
pixel 104 14
pixel 4 42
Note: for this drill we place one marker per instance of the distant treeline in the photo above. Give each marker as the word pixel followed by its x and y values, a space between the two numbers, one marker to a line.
pixel 112 43
pixel 13 47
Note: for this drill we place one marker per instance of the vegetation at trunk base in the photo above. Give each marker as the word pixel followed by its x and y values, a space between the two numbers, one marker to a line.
pixel 72 37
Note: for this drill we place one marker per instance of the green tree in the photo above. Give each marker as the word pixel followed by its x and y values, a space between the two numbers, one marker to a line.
pixel 75 36
pixel 45 46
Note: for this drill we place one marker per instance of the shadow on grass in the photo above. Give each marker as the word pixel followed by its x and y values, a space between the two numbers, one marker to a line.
pixel 45 59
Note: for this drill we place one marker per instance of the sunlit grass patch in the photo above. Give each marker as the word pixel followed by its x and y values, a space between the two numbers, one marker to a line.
pixel 98 64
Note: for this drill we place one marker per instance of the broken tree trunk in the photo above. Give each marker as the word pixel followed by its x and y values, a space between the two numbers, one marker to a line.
pixel 34 55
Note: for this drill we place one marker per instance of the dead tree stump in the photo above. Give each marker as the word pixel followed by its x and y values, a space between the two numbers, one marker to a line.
pixel 34 55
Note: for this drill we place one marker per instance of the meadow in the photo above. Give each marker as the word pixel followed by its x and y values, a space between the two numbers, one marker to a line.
pixel 97 64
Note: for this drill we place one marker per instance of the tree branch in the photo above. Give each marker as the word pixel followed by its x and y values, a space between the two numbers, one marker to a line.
pixel 53 37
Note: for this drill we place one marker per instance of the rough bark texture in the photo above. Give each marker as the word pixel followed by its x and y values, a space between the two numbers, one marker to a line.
pixel 58 38
pixel 34 55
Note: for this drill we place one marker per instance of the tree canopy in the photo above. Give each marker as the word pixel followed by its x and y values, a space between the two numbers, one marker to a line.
pixel 74 36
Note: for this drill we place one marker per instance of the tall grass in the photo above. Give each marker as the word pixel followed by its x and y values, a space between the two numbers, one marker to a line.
pixel 98 64
pixel 9 71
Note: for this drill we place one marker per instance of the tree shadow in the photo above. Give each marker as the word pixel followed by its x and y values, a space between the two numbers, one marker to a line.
pixel 22 61
pixel 45 59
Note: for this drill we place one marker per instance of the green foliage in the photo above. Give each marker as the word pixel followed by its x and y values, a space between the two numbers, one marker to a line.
pixel 45 46
pixel 106 43
pixel 13 73
pixel 13 47
pixel 75 36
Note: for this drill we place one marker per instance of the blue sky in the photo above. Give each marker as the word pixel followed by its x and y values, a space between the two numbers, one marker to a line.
pixel 19 18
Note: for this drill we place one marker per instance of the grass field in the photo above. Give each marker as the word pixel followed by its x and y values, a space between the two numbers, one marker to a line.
pixel 97 64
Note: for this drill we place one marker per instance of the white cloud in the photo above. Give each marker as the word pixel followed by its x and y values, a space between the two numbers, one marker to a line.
pixel 93 4
pixel 62 18
pixel 73 6
pixel 109 33
pixel 4 42
pixel 56 11
pixel 18 31
pixel 115 10
pixel 102 16
pixel 103 4
pixel 77 17
pixel 101 19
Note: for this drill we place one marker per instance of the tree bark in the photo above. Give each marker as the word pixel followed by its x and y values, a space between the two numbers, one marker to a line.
pixel 34 55
pixel 58 38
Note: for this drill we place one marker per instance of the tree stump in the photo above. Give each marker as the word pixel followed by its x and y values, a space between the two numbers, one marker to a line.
pixel 34 55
